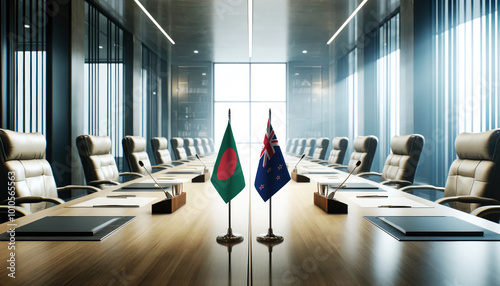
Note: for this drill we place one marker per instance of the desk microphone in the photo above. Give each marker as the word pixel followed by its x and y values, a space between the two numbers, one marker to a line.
pixel 167 194
pixel 301 157
pixel 197 156
pixel 331 195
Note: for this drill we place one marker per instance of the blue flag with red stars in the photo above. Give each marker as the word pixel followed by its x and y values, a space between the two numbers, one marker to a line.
pixel 272 173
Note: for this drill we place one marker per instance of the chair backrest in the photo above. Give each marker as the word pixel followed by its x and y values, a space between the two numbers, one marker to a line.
pixel 189 146
pixel 339 148
pixel 23 163
pixel 160 150
pixel 310 145
pixel 97 161
pixel 402 163
pixel 293 147
pixel 288 145
pixel 211 144
pixel 134 150
pixel 206 145
pixel 321 148
pixel 178 148
pixel 198 144
pixel 476 171
pixel 364 151
pixel 301 145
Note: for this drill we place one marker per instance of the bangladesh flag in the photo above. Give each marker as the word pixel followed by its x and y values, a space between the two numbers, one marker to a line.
pixel 227 176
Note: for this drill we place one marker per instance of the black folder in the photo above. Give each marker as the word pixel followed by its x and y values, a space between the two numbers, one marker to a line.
pixel 354 186
pixel 148 186
pixel 432 226
pixel 65 226
pixel 69 228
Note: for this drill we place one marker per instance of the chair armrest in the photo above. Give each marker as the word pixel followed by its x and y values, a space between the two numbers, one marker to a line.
pixel 469 199
pixel 166 165
pixel 98 183
pixel 365 174
pixel 36 199
pixel 18 210
pixel 401 183
pixel 485 211
pixel 178 162
pixel 91 189
pixel 163 167
pixel 131 174
pixel 410 189
pixel 338 166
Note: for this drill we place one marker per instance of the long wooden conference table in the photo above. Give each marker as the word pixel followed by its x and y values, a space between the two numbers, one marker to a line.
pixel 318 248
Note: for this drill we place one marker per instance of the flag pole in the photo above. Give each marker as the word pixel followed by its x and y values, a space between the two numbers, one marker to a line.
pixel 270 238
pixel 229 238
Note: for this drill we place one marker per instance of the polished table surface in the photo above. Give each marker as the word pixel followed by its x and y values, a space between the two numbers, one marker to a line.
pixel 318 248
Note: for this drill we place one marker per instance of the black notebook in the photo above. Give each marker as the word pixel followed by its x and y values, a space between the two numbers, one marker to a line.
pixel 148 186
pixel 432 226
pixel 66 226
pixel 354 186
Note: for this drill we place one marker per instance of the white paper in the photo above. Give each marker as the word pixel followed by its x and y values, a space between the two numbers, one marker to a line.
pixel 115 202
pixel 375 202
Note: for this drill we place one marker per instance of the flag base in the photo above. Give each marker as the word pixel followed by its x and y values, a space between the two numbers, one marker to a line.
pixel 270 238
pixel 229 238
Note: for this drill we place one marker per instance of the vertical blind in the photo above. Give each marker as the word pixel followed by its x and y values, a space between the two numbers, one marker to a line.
pixel 388 90
pixel 347 87
pixel 27 65
pixel 154 79
pixel 466 42
pixel 104 85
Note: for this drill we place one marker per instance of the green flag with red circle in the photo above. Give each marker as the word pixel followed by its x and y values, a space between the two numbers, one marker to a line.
pixel 227 176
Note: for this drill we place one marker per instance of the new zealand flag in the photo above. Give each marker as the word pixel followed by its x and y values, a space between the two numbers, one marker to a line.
pixel 272 173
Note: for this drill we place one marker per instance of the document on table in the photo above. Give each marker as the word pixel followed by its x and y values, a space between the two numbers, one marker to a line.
pixel 379 201
pixel 115 202
pixel 166 180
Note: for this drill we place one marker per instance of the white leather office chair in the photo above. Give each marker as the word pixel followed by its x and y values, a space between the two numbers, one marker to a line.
pixel 474 177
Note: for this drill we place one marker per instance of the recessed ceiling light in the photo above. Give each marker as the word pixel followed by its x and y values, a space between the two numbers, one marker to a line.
pixel 101 47
pixel 347 21
pixel 154 21
pixel 304 51
pixel 27 26
pixel 204 74
pixel 195 51
pixel 297 73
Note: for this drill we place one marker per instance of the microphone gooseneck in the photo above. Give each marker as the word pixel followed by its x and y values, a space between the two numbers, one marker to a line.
pixel 167 194
pixel 301 157
pixel 332 194
pixel 197 156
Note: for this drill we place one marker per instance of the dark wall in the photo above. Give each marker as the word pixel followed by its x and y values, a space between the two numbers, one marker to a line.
pixel 424 103
pixel 59 91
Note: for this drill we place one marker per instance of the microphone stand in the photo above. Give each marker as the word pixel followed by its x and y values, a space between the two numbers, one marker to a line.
pixel 331 195
pixel 328 203
pixel 297 177
pixel 171 203
pixel 167 194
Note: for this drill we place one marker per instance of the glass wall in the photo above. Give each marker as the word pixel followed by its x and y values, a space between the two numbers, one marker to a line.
pixel 154 95
pixel 27 66
pixel 347 95
pixel 250 90
pixel 103 79
pixel 466 43
pixel 388 77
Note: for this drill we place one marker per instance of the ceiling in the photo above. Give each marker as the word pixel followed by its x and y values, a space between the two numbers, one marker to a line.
pixel 218 29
